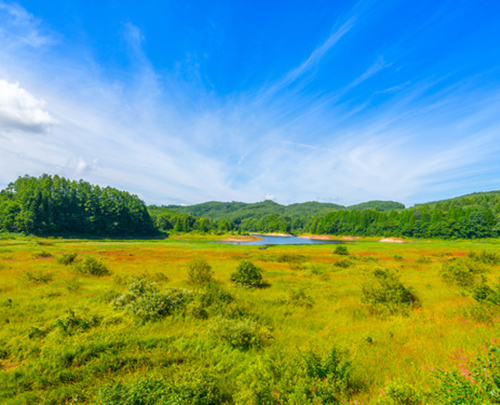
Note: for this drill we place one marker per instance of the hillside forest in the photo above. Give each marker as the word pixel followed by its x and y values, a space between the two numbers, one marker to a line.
pixel 55 206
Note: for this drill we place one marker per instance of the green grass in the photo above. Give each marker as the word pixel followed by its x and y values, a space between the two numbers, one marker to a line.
pixel 62 337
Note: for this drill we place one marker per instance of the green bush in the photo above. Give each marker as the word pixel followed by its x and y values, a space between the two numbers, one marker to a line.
pixel 93 267
pixel 188 390
pixel 199 271
pixel 388 293
pixel 240 334
pixel 401 393
pixel 341 250
pixel 464 273
pixel 247 274
pixel 73 322
pixel 38 276
pixel 477 385
pixel 484 293
pixel 299 298
pixel 291 258
pixel 423 260
pixel 147 303
pixel 332 372
pixel 67 258
pixel 42 253
pixel 485 257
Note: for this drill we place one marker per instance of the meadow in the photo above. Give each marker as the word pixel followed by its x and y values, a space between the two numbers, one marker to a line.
pixel 127 322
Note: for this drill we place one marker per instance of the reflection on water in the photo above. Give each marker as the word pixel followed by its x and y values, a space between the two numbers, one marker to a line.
pixel 285 240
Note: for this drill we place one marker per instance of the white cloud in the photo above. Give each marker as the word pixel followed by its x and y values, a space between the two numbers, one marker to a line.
pixel 20 111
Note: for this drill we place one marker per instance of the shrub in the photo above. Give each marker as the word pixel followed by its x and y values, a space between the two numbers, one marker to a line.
pixel 42 253
pixel 423 260
pixel 72 323
pixel 39 276
pixel 299 298
pixel 247 274
pixel 398 258
pixel 188 390
pixel 291 258
pixel 401 393
pixel 461 272
pixel 485 257
pixel 241 334
pixel 345 263
pixel 67 258
pixel 199 271
pixel 341 250
pixel 388 293
pixel 484 293
pixel 477 386
pixel 331 371
pixel 91 266
pixel 144 301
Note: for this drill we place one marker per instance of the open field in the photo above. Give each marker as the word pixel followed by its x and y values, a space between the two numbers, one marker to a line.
pixel 71 337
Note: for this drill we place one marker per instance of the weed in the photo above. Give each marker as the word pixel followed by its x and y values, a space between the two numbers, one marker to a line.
pixel 291 258
pixel 145 302
pixel 477 385
pixel 341 250
pixel 91 266
pixel 401 393
pixel 388 293
pixel 463 273
pixel 247 274
pixel 73 323
pixel 67 258
pixel 485 257
pixel 299 298
pixel 199 271
pixel 423 260
pixel 42 253
pixel 241 334
pixel 38 276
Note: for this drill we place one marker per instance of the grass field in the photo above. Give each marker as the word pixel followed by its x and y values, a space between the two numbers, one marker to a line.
pixel 309 334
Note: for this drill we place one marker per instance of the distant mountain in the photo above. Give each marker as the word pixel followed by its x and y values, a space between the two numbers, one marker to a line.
pixel 378 205
pixel 479 200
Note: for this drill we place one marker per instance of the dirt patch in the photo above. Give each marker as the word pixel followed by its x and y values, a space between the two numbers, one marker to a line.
pixel 392 240
pixel 242 238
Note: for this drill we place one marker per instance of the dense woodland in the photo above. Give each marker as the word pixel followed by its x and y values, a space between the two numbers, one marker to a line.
pixel 55 206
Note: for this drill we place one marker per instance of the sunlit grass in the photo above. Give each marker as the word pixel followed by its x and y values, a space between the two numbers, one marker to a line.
pixel 42 364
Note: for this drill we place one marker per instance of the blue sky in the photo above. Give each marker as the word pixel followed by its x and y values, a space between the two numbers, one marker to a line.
pixel 186 102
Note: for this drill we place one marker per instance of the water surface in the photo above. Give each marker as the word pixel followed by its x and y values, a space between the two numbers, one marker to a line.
pixel 285 240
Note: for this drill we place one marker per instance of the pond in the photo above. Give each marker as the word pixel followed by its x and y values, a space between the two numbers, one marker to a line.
pixel 285 240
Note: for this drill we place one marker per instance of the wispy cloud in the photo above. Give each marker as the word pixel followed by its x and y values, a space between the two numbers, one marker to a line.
pixel 171 141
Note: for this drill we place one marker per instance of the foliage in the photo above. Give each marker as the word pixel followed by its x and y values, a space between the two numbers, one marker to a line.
pixel 464 273
pixel 147 303
pixel 485 257
pixel 299 298
pixel 53 205
pixel 477 385
pixel 401 393
pixel 73 322
pixel 292 258
pixel 423 260
pixel 39 276
pixel 92 267
pixel 484 293
pixel 241 334
pixel 199 271
pixel 67 258
pixel 190 390
pixel 387 293
pixel 341 250
pixel 42 253
pixel 247 274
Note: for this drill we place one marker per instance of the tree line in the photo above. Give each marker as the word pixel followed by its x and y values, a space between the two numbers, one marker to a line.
pixel 55 206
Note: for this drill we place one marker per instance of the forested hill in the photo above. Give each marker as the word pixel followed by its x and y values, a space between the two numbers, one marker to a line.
pixel 57 206
pixel 233 210
pixel 472 216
